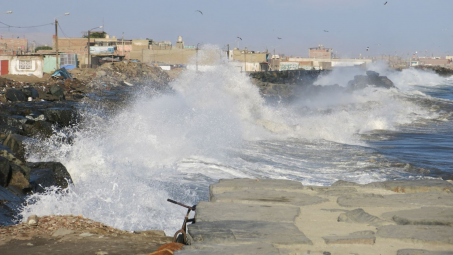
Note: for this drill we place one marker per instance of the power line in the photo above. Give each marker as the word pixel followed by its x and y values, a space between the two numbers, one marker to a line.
pixel 9 26
pixel 62 30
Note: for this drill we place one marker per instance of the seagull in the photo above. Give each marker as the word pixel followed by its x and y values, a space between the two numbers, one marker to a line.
pixel 240 38
pixel 367 48
pixel 385 3
pixel 279 38
pixel 199 12
pixel 326 31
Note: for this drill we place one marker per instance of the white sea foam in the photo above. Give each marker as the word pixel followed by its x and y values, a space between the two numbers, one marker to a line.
pixel 174 145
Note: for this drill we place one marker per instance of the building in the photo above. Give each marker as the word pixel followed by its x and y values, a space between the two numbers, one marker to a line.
pixel 22 65
pixel 320 52
pixel 102 47
pixel 250 61
pixel 13 46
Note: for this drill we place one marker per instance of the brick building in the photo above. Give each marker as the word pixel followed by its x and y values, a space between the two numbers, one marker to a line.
pixel 13 46
pixel 320 52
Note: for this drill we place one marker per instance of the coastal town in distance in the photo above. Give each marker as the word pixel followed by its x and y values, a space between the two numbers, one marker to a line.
pixel 22 56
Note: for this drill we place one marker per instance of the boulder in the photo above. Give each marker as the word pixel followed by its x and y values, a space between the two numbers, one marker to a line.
pixel 49 174
pixel 5 171
pixel 16 143
pixel 58 92
pixel 61 116
pixel 38 128
pixel 370 79
pixel 18 179
pixel 19 165
pixel 15 95
pixel 31 92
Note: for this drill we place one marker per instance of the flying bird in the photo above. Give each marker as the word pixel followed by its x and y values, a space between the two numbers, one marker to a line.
pixel 199 12
pixel 326 31
pixel 240 38
pixel 367 48
pixel 385 3
pixel 279 38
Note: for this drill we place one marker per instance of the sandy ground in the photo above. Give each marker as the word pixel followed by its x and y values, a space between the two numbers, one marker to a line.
pixel 76 235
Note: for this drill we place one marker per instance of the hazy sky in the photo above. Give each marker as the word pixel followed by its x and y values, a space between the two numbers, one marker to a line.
pixel 401 27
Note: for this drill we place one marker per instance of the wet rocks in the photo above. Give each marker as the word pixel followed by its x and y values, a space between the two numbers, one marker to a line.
pixel 15 95
pixel 370 79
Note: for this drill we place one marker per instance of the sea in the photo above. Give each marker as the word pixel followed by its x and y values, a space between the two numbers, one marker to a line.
pixel 215 124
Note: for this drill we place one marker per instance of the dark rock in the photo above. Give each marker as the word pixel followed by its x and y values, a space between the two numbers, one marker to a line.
pixel 61 116
pixel 18 179
pixel 5 171
pixel 15 95
pixel 58 92
pixel 40 179
pixel 8 154
pixel 7 130
pixel 16 121
pixel 60 174
pixel 31 92
pixel 371 79
pixel 39 128
pixel 10 203
pixel 16 143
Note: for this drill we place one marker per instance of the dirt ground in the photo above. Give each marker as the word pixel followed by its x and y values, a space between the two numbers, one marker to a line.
pixel 70 234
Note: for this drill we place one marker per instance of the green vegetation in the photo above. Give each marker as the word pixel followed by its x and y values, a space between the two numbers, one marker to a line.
pixel 43 48
pixel 96 35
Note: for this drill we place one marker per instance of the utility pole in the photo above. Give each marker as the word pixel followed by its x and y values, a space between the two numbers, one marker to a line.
pixel 122 42
pixel 89 60
pixel 228 52
pixel 245 59
pixel 196 58
pixel 56 44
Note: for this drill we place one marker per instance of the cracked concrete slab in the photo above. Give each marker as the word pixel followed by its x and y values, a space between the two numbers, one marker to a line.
pixel 247 231
pixel 268 197
pixel 234 211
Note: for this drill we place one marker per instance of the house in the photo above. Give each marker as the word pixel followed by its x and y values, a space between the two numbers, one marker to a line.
pixel 250 61
pixel 22 65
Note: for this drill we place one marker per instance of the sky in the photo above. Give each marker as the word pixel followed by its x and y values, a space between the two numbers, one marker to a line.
pixel 401 27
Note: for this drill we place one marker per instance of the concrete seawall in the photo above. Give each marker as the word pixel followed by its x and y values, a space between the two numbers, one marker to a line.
pixel 251 216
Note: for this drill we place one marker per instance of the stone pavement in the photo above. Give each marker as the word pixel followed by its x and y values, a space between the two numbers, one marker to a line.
pixel 251 216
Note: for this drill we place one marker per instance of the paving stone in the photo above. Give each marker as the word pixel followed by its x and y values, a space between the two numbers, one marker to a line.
pixel 232 211
pixel 246 184
pixel 267 197
pixel 423 216
pixel 227 249
pixel 397 200
pixel 359 216
pixel 414 186
pixel 220 232
pixel 360 237
pixel 418 233
pixel 422 252
pixel 340 191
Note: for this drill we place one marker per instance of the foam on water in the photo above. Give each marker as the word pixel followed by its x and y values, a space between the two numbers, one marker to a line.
pixel 214 125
